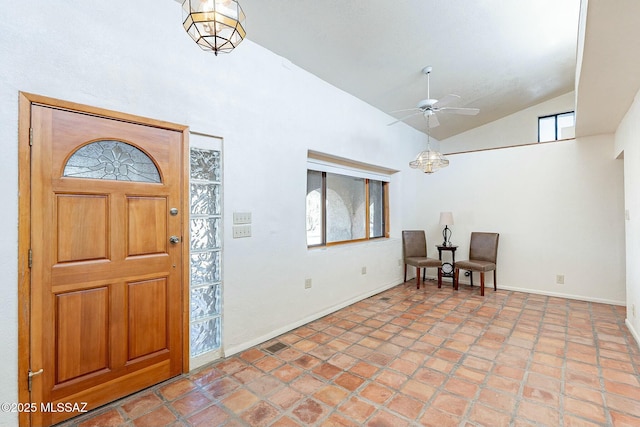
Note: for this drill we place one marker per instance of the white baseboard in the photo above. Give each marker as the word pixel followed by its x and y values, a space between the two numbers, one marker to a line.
pixel 246 345
pixel 546 293
pixel 563 295
pixel 634 333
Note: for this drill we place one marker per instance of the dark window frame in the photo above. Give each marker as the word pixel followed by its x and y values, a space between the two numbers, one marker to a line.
pixel 555 116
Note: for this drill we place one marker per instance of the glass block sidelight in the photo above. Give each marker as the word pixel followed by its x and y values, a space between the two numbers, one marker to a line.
pixel 205 199
pixel 205 165
pixel 205 336
pixel 205 268
pixel 205 251
pixel 111 160
pixel 204 300
pixel 205 233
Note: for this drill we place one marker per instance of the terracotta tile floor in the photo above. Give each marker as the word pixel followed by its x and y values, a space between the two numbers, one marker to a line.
pixel 407 357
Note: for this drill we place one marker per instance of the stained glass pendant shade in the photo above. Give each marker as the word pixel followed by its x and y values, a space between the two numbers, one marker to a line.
pixel 215 25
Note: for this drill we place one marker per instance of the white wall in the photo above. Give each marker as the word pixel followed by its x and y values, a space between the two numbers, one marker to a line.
pixel 516 129
pixel 626 143
pixel 115 55
pixel 558 208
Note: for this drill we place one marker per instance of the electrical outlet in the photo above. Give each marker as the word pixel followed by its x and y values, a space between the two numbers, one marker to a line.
pixel 560 279
pixel 364 270
pixel 242 217
pixel 399 262
pixel 240 231
pixel 307 283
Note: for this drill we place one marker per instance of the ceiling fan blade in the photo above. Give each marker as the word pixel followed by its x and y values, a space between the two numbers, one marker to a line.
pixel 459 110
pixel 446 100
pixel 405 117
pixel 403 110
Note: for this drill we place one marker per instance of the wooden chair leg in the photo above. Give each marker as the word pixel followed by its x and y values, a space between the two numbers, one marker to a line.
pixel 456 272
pixel 417 277
pixel 482 283
pixel 405 272
pixel 471 277
pixel 439 277
pixel 495 283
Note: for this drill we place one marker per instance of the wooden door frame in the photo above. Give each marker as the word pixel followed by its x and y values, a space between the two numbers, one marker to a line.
pixel 24 225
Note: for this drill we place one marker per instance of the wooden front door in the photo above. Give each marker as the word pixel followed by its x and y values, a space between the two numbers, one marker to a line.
pixel 106 275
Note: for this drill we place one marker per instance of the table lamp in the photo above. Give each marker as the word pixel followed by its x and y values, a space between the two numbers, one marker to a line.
pixel 446 219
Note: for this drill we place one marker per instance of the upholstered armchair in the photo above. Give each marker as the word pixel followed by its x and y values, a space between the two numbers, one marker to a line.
pixel 414 253
pixel 483 253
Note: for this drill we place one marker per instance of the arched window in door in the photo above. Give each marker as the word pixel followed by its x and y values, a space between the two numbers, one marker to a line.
pixel 111 160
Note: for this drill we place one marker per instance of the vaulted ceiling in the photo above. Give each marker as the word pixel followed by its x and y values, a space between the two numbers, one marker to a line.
pixel 500 56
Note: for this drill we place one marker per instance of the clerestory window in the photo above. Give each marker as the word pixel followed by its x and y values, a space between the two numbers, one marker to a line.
pixel 555 126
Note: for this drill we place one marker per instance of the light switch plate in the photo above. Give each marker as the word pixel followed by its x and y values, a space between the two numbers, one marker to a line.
pixel 240 231
pixel 242 217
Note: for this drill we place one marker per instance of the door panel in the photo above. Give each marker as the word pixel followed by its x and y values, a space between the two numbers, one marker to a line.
pixel 82 227
pixel 147 225
pixel 106 284
pixel 82 333
pixel 147 317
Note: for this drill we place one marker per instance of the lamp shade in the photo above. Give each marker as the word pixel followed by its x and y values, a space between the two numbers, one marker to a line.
pixel 446 218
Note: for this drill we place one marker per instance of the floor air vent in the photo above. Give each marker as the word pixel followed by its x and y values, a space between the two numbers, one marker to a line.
pixel 274 348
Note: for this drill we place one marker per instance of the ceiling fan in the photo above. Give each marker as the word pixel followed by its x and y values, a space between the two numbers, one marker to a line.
pixel 429 107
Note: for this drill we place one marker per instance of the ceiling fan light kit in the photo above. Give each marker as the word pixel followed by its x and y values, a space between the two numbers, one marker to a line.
pixel 215 25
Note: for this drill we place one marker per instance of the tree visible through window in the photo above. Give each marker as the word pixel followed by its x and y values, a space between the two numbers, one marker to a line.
pixel 343 208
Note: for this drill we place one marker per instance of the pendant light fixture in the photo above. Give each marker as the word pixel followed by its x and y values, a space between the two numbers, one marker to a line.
pixel 215 25
pixel 429 161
